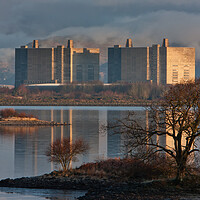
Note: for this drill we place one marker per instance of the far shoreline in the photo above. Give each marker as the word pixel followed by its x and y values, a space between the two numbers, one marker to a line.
pixel 145 104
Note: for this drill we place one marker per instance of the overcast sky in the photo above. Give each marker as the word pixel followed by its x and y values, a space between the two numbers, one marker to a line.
pixel 102 21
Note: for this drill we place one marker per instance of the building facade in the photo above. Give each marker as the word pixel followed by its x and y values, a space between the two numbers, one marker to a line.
pixel 158 64
pixel 55 65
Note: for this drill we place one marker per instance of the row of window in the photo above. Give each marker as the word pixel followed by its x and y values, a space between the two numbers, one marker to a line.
pixel 186 75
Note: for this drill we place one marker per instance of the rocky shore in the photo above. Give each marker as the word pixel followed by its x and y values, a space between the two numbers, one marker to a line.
pixel 99 188
pixel 56 182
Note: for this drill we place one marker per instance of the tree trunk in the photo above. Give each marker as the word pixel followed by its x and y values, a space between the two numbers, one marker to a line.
pixel 180 171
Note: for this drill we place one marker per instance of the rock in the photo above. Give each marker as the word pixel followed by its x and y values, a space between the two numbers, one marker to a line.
pixel 97 188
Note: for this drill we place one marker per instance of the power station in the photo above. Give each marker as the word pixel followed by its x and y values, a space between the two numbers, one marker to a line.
pixel 55 65
pixel 158 64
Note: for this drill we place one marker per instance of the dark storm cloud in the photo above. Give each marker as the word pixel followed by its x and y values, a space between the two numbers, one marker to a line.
pixel 40 18
pixel 100 22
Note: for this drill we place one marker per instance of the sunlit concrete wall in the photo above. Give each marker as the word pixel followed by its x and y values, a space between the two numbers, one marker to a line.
pixel 180 64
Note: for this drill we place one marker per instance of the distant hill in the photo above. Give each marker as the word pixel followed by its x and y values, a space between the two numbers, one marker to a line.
pixel 7 76
pixel 103 76
pixel 197 68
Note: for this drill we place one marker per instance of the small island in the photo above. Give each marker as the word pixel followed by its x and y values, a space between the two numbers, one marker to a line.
pixel 10 117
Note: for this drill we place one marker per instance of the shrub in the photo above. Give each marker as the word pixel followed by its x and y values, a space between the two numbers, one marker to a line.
pixel 63 152
pixel 8 112
pixel 130 168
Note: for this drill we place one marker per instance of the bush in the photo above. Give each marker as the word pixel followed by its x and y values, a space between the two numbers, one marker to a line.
pixel 130 168
pixel 8 112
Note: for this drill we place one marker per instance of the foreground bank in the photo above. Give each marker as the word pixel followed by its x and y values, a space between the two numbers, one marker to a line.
pixel 103 188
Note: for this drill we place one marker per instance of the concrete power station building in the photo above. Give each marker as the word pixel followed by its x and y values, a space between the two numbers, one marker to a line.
pixel 55 65
pixel 158 64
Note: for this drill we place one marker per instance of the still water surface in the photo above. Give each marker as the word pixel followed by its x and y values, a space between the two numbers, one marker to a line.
pixel 22 149
pixel 38 194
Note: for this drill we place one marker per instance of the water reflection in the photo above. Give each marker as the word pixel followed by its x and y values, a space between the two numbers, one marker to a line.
pixel 18 129
pixel 22 149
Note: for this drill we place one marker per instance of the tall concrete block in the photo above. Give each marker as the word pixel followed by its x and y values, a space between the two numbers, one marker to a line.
pixel 35 44
pixel 165 42
pixel 70 44
pixel 129 43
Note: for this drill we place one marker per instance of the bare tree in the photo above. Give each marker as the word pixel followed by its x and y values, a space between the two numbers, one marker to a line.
pixel 176 118
pixel 63 152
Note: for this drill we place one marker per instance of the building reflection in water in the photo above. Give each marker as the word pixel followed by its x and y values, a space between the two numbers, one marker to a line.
pixel 52 135
pixel 70 131
pixel 103 135
pixel 22 150
pixel 7 155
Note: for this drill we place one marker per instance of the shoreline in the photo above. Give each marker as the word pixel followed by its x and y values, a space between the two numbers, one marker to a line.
pixel 79 104
pixel 102 188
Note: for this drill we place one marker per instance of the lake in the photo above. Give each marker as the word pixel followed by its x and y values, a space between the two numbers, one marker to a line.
pixel 22 149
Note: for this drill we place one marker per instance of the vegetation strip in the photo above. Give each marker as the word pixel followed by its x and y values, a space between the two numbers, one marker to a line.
pixel 123 94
